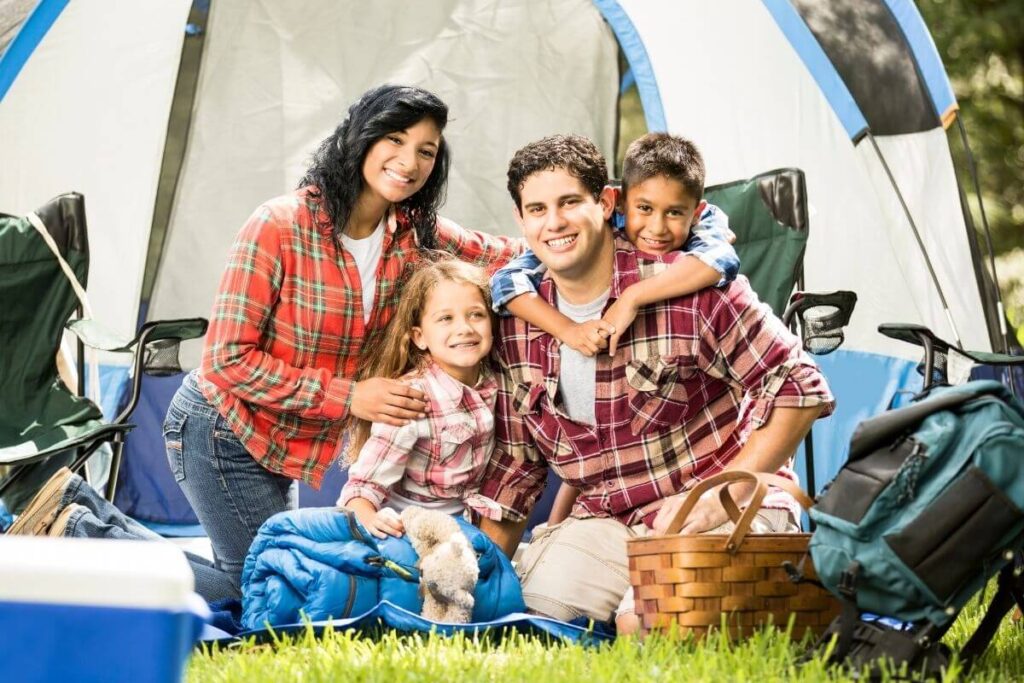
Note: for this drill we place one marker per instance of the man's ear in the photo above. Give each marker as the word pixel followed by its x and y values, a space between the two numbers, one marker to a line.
pixel 607 201
pixel 416 334
pixel 518 215
pixel 701 205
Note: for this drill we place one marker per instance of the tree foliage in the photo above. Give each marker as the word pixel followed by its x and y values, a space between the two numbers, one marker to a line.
pixel 982 46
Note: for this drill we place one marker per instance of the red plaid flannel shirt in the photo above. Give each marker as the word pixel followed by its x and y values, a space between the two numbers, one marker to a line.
pixel 673 405
pixel 287 330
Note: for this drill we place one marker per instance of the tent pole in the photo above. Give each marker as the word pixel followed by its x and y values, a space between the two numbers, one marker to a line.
pixel 917 236
pixel 972 169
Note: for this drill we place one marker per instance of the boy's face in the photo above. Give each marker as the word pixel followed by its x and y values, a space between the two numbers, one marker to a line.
pixel 659 213
pixel 562 222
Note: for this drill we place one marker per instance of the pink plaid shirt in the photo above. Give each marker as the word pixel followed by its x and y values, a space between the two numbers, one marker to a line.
pixel 691 377
pixel 440 457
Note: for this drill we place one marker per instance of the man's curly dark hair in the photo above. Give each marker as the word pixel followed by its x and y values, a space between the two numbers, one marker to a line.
pixel 574 153
pixel 336 170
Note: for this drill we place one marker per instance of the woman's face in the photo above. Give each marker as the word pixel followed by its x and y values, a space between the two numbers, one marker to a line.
pixel 398 164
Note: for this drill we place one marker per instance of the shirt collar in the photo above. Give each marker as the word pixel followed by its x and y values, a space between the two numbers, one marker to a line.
pixel 451 392
pixel 625 272
pixel 393 219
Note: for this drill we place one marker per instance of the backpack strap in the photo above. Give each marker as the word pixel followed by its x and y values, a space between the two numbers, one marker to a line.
pixel 1009 593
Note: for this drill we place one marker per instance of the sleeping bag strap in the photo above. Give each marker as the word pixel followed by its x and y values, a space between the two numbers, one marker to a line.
pixel 850 615
pixel 1007 594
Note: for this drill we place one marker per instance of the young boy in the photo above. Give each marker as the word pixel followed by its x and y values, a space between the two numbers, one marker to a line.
pixel 663 210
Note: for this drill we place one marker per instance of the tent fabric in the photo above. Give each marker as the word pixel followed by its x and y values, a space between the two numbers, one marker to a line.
pixel 832 86
pixel 926 55
pixel 273 84
pixel 24 42
pixel 862 39
pixel 81 116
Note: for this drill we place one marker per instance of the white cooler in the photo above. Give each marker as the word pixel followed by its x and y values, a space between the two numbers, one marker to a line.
pixel 90 610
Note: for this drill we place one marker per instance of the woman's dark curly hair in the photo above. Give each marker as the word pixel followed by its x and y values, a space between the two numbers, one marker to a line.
pixel 336 170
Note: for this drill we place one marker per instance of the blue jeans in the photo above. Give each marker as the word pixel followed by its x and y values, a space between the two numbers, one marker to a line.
pixel 231 493
pixel 97 518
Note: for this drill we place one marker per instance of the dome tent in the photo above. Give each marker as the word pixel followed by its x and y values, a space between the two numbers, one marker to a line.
pixel 852 93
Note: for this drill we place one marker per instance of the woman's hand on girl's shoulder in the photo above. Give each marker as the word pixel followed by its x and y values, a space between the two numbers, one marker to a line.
pixel 387 400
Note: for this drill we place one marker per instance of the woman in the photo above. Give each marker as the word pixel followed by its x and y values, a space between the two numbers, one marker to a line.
pixel 311 282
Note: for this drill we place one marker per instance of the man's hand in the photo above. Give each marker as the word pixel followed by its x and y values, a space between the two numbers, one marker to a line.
pixel 620 315
pixel 706 515
pixel 587 337
pixel 381 523
pixel 388 401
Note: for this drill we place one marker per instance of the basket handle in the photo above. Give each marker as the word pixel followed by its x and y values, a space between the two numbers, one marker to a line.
pixel 744 519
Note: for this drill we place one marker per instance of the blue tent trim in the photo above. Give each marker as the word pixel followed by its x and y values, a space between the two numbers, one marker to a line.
pixel 639 63
pixel 926 55
pixel 817 62
pixel 24 44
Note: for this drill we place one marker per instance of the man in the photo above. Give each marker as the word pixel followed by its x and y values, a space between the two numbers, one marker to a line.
pixel 700 383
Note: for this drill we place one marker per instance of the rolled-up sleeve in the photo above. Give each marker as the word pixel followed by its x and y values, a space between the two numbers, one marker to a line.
pixel 381 463
pixel 746 344
pixel 709 241
pixel 516 474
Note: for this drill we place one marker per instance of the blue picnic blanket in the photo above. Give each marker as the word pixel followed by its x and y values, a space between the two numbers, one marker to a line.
pixel 320 563
pixel 386 616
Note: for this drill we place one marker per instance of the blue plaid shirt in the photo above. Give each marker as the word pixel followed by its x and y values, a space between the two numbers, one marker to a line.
pixel 708 241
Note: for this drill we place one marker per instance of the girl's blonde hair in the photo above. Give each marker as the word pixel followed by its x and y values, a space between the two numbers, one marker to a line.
pixel 399 355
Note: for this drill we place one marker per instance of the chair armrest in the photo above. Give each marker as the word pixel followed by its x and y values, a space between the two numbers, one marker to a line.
pixel 916 334
pixel 95 335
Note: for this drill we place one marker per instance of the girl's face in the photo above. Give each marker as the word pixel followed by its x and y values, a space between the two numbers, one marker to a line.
pixel 455 329
pixel 398 164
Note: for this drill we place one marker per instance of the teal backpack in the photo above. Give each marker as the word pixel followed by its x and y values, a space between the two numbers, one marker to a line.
pixel 929 506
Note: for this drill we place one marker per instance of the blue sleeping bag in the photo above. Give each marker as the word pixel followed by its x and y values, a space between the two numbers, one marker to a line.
pixel 321 563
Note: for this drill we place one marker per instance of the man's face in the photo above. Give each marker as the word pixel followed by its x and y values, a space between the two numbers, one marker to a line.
pixel 563 224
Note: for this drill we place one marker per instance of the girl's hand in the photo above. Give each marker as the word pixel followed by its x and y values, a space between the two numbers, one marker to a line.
pixel 381 523
pixel 388 401
pixel 587 337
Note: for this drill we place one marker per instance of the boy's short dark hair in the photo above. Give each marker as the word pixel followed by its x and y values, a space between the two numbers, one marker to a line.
pixel 662 154
pixel 574 153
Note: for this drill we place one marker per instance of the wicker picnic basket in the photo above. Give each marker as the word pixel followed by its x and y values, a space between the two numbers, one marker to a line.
pixel 693 580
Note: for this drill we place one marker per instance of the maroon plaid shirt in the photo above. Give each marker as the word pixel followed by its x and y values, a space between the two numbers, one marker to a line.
pixel 691 377
pixel 287 330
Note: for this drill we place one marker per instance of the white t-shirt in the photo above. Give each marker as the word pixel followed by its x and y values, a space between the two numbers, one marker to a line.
pixel 366 253
pixel 577 374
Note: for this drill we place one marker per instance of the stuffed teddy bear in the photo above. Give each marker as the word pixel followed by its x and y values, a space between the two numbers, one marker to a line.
pixel 448 565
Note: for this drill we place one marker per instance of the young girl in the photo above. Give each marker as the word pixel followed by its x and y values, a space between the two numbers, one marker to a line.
pixel 438 342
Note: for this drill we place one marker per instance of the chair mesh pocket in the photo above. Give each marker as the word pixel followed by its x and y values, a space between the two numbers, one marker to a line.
pixel 161 358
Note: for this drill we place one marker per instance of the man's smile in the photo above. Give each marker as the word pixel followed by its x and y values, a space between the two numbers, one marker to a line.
pixel 560 243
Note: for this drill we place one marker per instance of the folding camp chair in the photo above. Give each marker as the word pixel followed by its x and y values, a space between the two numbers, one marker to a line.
pixel 769 215
pixel 40 416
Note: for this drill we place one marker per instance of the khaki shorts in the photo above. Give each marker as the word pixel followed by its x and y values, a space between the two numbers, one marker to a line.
pixel 578 567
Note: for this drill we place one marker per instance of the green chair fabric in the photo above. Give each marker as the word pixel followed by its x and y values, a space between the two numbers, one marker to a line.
pixel 768 213
pixel 39 415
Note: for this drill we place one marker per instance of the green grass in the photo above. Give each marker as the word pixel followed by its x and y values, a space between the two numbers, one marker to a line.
pixel 768 656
